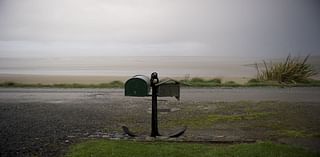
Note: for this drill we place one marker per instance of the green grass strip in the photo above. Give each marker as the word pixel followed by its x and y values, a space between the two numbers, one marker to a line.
pixel 107 148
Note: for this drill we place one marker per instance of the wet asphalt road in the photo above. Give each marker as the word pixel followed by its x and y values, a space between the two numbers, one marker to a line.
pixel 37 122
pixel 297 94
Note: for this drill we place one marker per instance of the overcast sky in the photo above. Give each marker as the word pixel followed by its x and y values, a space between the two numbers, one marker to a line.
pixel 159 27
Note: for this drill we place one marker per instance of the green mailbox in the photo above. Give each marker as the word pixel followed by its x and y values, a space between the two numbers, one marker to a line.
pixel 138 85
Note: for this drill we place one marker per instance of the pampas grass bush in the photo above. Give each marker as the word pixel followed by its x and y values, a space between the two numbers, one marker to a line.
pixel 292 70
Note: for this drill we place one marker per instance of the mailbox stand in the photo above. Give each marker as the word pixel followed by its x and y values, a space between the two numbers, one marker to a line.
pixel 154 82
pixel 154 117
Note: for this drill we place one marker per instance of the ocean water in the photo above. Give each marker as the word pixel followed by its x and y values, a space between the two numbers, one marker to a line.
pixel 185 66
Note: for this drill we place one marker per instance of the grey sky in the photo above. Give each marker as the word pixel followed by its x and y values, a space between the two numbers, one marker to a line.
pixel 159 27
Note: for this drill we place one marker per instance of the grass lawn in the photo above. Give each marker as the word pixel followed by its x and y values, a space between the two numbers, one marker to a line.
pixel 106 148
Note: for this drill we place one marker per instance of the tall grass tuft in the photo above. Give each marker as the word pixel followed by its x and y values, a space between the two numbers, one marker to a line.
pixel 292 70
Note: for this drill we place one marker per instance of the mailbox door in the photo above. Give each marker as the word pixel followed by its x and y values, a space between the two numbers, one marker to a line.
pixel 137 86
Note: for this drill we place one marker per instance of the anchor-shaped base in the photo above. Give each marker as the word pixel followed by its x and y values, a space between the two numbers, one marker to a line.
pixel 176 134
pixel 154 117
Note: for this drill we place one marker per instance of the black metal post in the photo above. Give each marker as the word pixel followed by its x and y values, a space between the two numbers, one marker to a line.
pixel 154 116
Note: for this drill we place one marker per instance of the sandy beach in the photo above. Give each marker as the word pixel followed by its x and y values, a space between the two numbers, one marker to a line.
pixel 56 79
pixel 105 69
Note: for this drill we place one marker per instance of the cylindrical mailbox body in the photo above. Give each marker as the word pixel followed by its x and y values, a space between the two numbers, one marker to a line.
pixel 138 85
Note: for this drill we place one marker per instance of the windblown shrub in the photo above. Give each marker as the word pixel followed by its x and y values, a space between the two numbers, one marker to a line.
pixel 293 70
pixel 197 79
pixel 215 80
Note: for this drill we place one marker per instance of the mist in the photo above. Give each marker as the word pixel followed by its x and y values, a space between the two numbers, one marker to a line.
pixel 272 28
